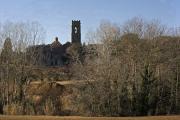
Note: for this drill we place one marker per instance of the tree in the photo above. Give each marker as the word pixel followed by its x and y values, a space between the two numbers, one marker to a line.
pixel 117 67
pixel 15 73
pixel 7 52
pixel 145 91
pixel 135 25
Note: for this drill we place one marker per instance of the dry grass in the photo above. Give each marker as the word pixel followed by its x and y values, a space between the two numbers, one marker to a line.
pixel 87 118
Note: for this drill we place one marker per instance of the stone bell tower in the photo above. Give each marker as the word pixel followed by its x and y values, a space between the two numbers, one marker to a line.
pixel 76 32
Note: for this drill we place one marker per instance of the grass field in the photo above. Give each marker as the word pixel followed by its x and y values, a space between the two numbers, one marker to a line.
pixel 87 118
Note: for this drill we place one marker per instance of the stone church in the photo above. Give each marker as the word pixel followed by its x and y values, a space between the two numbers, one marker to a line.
pixel 55 54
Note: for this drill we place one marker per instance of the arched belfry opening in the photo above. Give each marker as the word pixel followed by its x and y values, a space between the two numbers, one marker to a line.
pixel 76 31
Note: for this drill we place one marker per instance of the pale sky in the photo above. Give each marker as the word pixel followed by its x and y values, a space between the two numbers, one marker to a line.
pixel 56 15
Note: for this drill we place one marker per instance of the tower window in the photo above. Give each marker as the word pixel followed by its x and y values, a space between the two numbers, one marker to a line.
pixel 75 30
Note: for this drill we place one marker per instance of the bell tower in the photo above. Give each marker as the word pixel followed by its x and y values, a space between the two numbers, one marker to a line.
pixel 76 31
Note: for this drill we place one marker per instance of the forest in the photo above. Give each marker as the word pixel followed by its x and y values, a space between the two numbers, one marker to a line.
pixel 135 69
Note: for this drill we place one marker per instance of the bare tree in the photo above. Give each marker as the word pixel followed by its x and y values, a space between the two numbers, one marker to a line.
pixel 116 63
pixel 135 25
pixel 15 72
pixel 154 29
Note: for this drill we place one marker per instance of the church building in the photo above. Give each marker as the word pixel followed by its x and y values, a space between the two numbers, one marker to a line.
pixel 55 54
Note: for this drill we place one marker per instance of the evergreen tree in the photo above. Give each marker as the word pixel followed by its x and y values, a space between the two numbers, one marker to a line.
pixel 7 52
pixel 144 94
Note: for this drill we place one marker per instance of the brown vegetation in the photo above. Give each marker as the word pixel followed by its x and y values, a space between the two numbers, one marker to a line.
pixel 87 118
pixel 136 70
pixel 127 71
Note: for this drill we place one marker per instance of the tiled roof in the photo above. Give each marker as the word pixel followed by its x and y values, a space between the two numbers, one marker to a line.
pixel 56 43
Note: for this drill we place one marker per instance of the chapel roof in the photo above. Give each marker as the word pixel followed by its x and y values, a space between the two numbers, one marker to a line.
pixel 56 43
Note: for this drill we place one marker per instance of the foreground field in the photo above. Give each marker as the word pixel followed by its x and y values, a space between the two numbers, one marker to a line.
pixel 87 118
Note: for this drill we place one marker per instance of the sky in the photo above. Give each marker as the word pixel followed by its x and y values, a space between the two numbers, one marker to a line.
pixel 56 15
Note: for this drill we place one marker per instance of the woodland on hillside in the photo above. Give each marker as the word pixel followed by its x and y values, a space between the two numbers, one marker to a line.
pixel 134 67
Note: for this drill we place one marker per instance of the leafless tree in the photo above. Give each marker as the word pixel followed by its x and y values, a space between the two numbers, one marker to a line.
pixel 15 70
pixel 119 59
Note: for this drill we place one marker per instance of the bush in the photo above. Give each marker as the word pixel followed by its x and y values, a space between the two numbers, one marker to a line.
pixel 12 109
